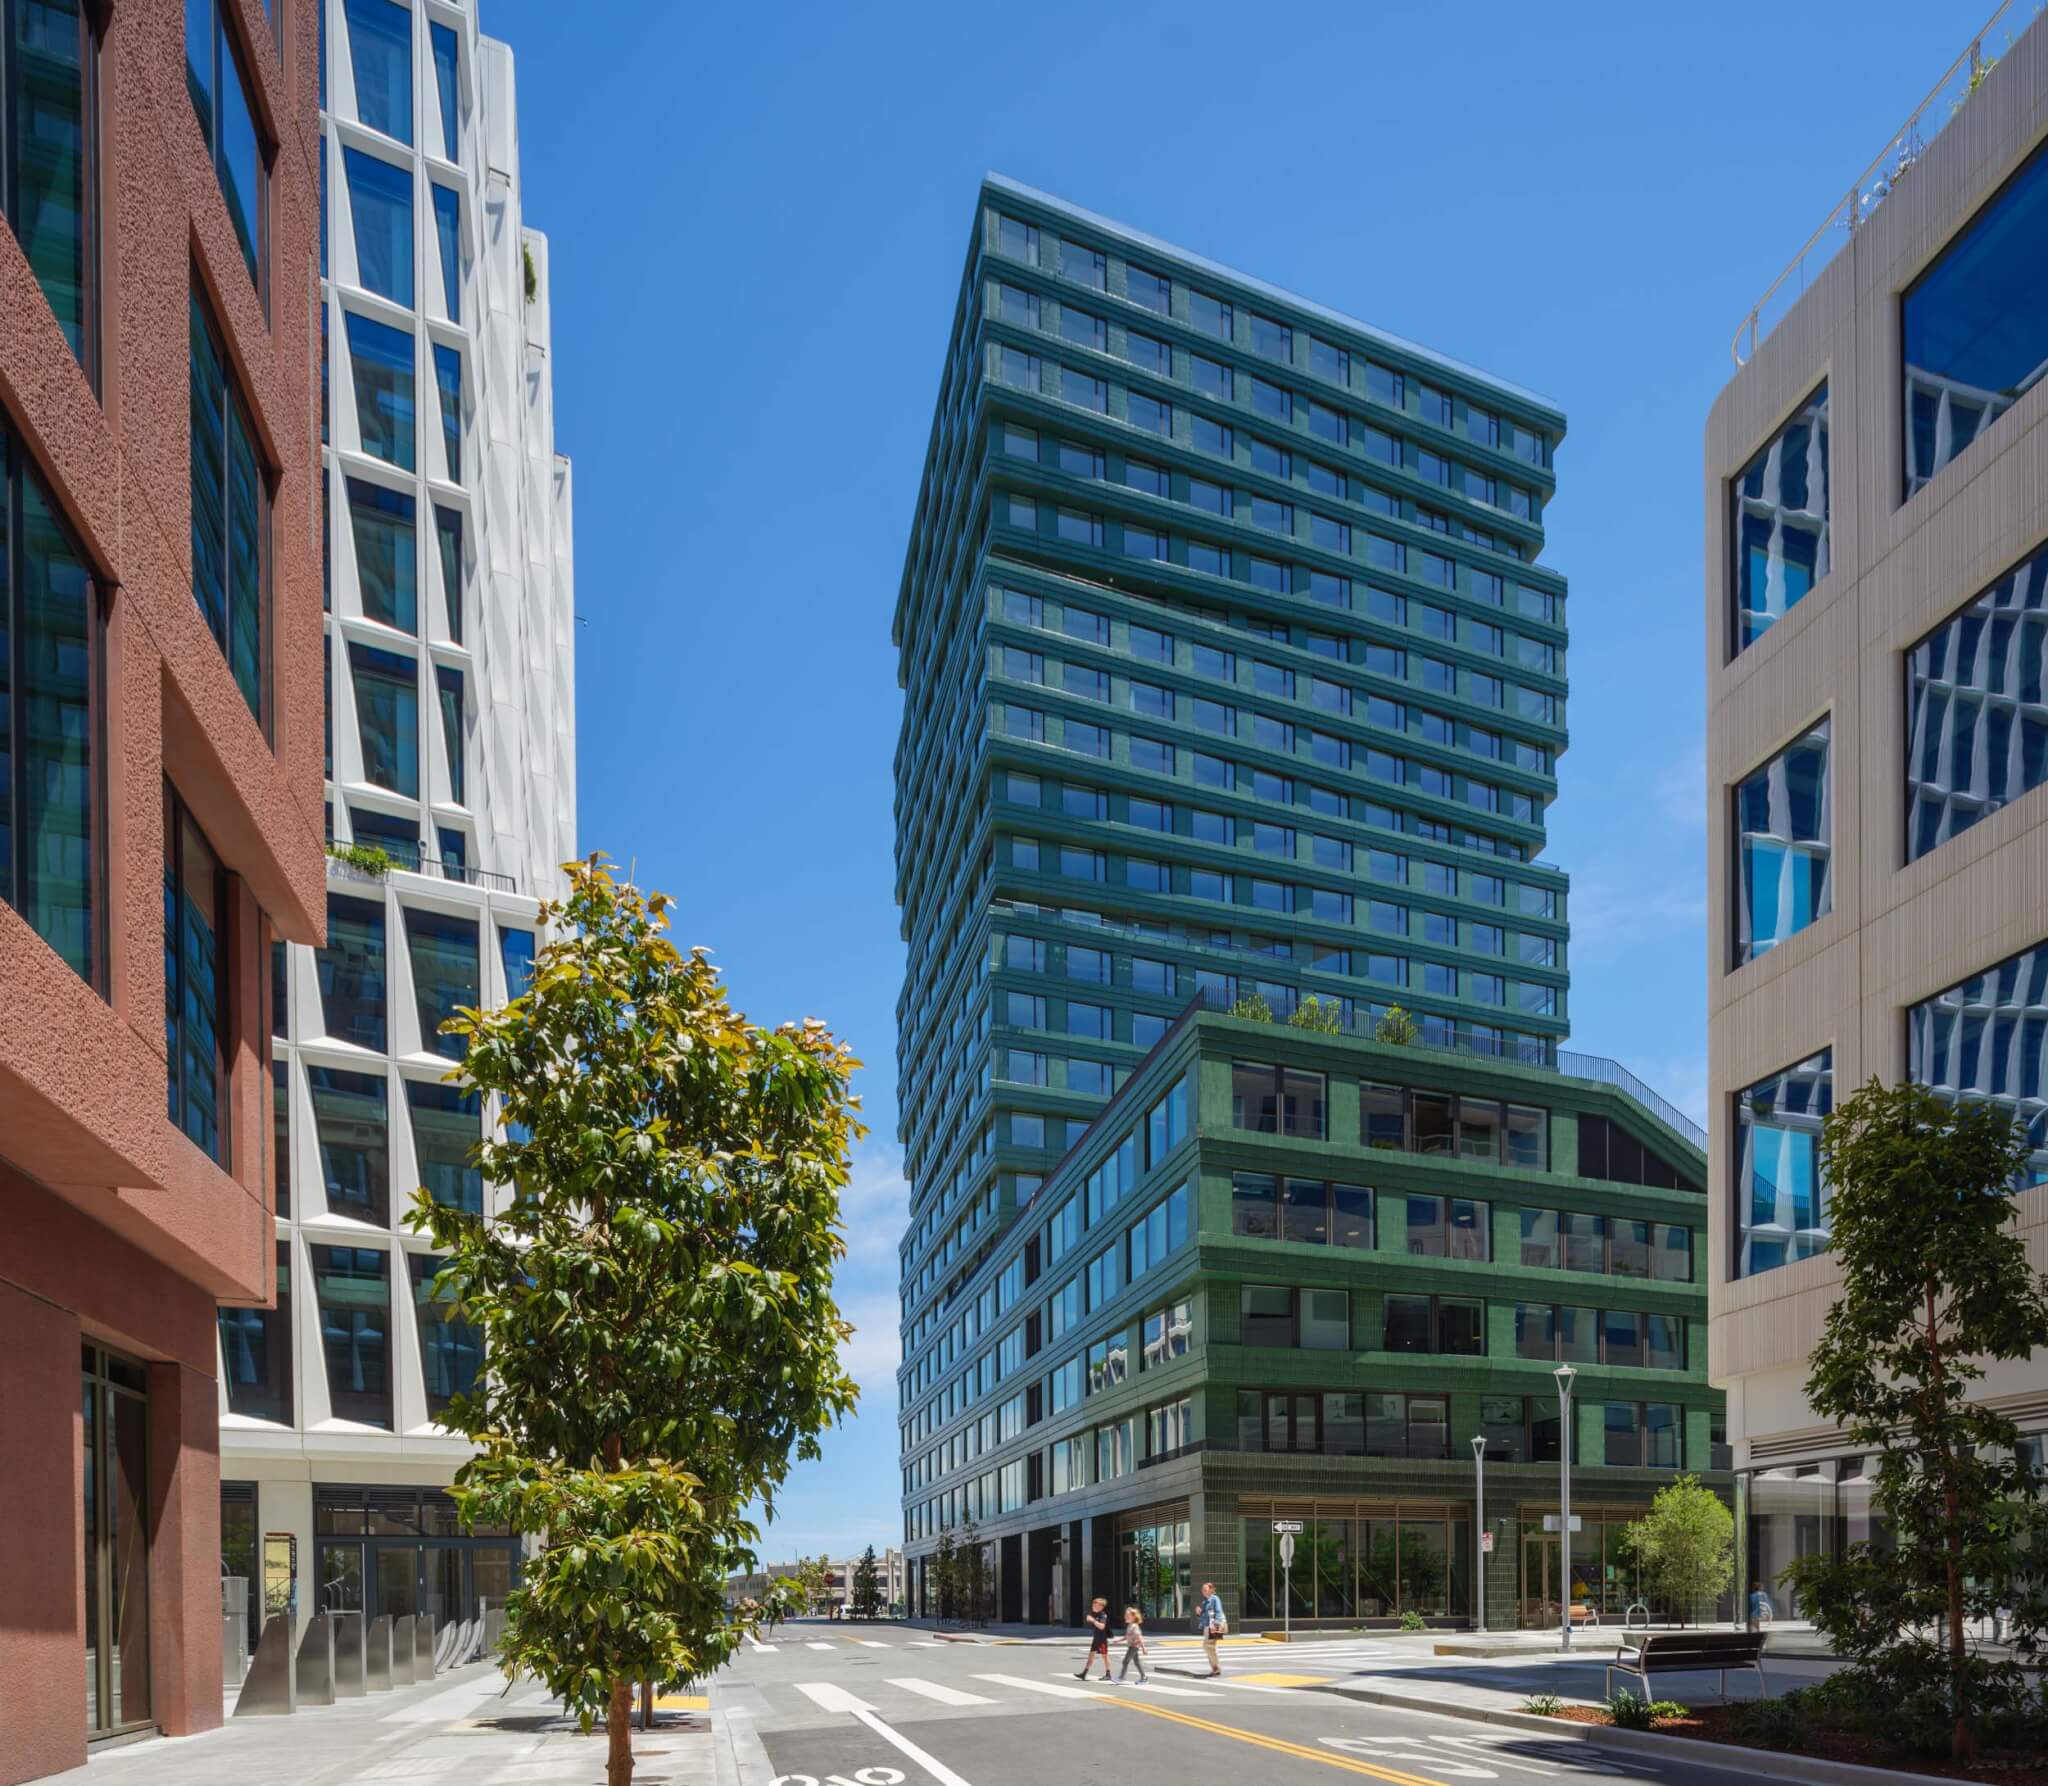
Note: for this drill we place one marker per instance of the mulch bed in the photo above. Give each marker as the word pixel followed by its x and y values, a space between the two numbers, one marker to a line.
pixel 1716 1724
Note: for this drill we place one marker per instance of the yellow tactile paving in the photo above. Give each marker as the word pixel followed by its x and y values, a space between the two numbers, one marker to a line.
pixel 1281 1680
pixel 683 1702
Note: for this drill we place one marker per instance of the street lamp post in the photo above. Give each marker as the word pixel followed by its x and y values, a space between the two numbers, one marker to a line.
pixel 1564 1374
pixel 1479 1532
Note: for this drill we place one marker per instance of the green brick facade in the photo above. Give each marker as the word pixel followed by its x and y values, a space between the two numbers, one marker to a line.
pixel 1230 672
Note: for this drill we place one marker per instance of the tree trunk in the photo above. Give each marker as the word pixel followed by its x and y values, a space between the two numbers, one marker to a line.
pixel 618 1730
pixel 1963 1738
pixel 646 1705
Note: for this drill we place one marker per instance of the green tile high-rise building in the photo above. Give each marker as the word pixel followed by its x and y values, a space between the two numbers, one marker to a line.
pixel 1249 1179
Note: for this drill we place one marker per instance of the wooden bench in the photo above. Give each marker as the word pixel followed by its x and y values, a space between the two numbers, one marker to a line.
pixel 1685 1652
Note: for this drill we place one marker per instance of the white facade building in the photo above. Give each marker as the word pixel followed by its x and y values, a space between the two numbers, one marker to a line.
pixel 451 715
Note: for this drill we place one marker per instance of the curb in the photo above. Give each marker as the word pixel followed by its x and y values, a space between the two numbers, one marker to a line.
pixel 1781 1764
pixel 738 1757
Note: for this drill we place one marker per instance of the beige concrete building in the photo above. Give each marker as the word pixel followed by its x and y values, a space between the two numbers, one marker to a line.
pixel 1877 739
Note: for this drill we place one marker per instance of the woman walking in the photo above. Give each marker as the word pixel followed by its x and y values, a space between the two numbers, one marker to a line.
pixel 1134 1645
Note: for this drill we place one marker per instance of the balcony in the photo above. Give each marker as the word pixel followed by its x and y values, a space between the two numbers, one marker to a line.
pixel 374 862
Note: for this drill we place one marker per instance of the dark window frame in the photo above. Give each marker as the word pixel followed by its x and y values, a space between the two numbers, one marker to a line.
pixel 91 25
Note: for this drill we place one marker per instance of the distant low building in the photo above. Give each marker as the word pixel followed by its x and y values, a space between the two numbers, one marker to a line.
pixel 839 1573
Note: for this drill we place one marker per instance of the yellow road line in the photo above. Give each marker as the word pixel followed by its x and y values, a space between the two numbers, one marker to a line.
pixel 1276 1744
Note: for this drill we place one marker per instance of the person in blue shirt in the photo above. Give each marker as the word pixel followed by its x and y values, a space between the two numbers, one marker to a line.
pixel 1210 1621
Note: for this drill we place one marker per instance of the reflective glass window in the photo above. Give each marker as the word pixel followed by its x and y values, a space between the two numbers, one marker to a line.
pixel 447 86
pixel 352 1286
pixel 448 238
pixel 351 1122
pixel 451 1349
pixel 382 360
pixel 1973 327
pixel 448 537
pixel 1976 718
pixel 387 717
pixel 195 982
pixel 1780 1200
pixel 445 975
pixel 447 1122
pixel 381 523
pixel 448 380
pixel 380 197
pixel 1985 1040
pixel 256 1352
pixel 515 952
pixel 380 56
pixel 230 512
pixel 1783 840
pixel 1779 521
pixel 352 973
pixel 220 100
pixel 448 693
pixel 51 640
pixel 46 144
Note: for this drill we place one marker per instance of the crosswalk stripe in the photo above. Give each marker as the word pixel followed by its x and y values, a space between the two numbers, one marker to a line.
pixel 925 1643
pixel 943 1694
pixel 829 1696
pixel 1052 1689
pixel 818 1646
pixel 869 1643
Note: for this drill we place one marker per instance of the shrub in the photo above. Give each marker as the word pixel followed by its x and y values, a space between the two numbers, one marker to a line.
pixel 1543 1705
pixel 1631 1713
pixel 1252 1008
pixel 1414 1621
pixel 1776 1723
pixel 1396 1027
pixel 1323 1015
pixel 366 856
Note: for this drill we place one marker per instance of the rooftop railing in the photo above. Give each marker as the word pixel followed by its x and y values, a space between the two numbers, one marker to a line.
pixel 1870 189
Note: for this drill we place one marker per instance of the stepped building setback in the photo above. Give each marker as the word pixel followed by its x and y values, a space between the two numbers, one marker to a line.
pixel 1234 695
pixel 449 657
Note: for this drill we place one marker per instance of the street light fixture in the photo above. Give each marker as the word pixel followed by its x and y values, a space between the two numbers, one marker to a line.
pixel 1564 1375
pixel 1479 1532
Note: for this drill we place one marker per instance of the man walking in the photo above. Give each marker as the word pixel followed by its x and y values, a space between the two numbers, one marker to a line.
pixel 1213 1625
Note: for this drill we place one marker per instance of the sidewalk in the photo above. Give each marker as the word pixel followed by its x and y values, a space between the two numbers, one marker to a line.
pixel 460 1729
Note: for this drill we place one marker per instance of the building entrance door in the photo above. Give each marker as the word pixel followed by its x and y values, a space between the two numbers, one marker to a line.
pixel 114 1394
pixel 1541 1562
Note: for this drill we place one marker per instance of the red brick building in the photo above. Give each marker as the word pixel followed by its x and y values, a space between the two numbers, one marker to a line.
pixel 160 807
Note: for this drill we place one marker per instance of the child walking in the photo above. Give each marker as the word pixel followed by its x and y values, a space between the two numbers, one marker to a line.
pixel 1098 1638
pixel 1134 1644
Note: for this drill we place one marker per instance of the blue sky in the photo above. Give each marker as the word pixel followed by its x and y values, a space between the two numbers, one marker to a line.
pixel 759 219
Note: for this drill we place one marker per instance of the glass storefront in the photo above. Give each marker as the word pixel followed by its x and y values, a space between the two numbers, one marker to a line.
pixel 1800 1510
pixel 402 1551
pixel 1357 1560
pixel 1154 1561
pixel 114 1396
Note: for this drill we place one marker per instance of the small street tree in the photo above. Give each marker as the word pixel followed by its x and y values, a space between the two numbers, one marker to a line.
pixel 865 1595
pixel 1934 1283
pixel 946 1575
pixel 1684 1546
pixel 973 1567
pixel 654 1296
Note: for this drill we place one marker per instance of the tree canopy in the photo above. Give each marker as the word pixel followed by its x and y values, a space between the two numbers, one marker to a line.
pixel 654 1290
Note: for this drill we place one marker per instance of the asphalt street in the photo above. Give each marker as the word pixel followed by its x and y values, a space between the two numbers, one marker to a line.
pixel 886 1705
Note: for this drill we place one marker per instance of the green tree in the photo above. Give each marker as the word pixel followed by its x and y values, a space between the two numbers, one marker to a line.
pixel 1934 1283
pixel 814 1581
pixel 1685 1546
pixel 946 1576
pixel 866 1593
pixel 1396 1027
pixel 974 1574
pixel 655 1300
pixel 1323 1015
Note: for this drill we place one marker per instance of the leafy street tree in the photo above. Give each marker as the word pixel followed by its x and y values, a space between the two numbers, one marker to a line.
pixel 946 1575
pixel 1685 1546
pixel 654 1301
pixel 973 1574
pixel 865 1596
pixel 1934 1282
pixel 816 1575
